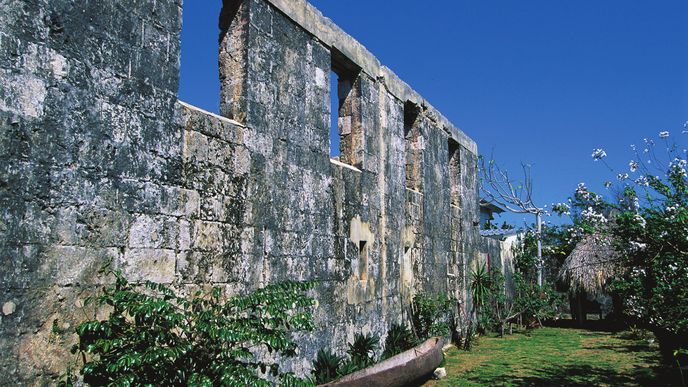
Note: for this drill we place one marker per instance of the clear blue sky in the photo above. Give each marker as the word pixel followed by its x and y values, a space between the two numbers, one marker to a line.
pixel 538 81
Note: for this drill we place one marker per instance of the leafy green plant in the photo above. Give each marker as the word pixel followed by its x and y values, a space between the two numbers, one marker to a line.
pixel 636 333
pixel 681 355
pixel 536 303
pixel 348 367
pixel 469 337
pixel 326 366
pixel 429 316
pixel 362 350
pixel 480 285
pixel 498 305
pixel 155 337
pixel 480 290
pixel 399 339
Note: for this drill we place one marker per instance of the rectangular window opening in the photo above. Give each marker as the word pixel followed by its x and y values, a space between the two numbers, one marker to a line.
pixel 346 134
pixel 413 145
pixel 334 116
pixel 363 260
pixel 454 173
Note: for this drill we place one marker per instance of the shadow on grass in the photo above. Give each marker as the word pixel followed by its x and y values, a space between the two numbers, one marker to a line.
pixel 591 325
pixel 631 348
pixel 591 367
pixel 586 375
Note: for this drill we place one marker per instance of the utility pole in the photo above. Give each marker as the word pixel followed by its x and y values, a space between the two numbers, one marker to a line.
pixel 538 219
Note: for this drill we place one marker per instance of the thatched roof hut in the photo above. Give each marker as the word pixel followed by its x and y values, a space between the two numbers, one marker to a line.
pixel 591 264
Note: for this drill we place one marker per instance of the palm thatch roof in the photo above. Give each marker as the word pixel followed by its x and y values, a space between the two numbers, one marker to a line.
pixel 591 264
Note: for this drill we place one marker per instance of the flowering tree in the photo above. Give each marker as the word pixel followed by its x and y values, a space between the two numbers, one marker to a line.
pixel 649 226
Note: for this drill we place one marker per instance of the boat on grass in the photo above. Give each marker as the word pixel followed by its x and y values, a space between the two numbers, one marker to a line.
pixel 409 368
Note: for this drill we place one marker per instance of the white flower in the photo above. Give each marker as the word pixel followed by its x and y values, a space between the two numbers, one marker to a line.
pixel 594 217
pixel 637 246
pixel 598 154
pixel 561 209
pixel 664 134
pixel 633 165
pixel 632 147
pixel 582 191
pixel 607 184
pixel 622 176
pixel 642 180
pixel 680 163
pixel 678 166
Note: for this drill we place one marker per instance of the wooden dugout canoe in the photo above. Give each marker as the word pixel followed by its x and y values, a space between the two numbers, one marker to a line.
pixel 408 368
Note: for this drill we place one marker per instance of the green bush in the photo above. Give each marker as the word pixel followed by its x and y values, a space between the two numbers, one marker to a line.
pixel 481 289
pixel 536 303
pixel 362 350
pixel 326 366
pixel 155 337
pixel 498 306
pixel 399 339
pixel 429 316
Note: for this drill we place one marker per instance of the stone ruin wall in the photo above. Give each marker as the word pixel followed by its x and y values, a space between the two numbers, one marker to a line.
pixel 100 162
pixel 499 253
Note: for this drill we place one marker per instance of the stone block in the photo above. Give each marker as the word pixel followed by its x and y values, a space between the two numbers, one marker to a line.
pixel 156 265
pixel 209 236
pixel 74 265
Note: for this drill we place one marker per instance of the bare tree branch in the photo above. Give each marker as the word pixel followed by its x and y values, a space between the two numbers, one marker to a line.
pixel 499 188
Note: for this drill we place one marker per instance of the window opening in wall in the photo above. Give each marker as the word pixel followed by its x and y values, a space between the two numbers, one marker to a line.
pixel 454 173
pixel 412 137
pixel 346 134
pixel 334 116
pixel 199 83
pixel 363 260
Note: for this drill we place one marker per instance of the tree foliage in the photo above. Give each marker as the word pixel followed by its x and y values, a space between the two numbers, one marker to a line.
pixel 329 366
pixel 429 316
pixel 326 366
pixel 155 337
pixel 526 299
pixel 652 239
pixel 399 339
pixel 647 218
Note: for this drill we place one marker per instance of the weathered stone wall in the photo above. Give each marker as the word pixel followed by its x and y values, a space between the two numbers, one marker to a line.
pixel 499 253
pixel 101 163
pixel 88 155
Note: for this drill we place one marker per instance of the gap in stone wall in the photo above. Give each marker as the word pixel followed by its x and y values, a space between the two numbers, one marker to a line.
pixel 334 115
pixel 346 106
pixel 454 173
pixel 199 83
pixel 363 260
pixel 412 144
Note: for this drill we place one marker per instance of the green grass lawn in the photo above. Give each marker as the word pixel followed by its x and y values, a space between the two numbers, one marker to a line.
pixel 558 357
